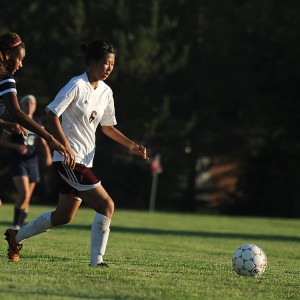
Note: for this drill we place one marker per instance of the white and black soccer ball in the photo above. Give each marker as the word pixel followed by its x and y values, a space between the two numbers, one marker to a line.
pixel 249 260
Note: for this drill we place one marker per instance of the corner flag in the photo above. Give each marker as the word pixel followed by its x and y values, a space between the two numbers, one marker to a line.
pixel 156 165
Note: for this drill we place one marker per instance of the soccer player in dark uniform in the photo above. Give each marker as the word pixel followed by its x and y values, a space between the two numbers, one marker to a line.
pixel 12 53
pixel 24 162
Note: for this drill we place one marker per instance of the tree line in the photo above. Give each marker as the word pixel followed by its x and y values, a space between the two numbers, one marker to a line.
pixel 193 79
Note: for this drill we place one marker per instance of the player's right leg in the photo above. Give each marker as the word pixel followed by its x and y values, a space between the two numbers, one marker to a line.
pixel 13 246
pixel 65 210
pixel 64 213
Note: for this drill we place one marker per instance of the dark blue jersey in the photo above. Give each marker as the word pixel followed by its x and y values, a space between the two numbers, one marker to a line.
pixel 7 85
pixel 31 141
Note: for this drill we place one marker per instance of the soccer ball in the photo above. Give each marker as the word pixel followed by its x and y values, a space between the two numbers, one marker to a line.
pixel 249 260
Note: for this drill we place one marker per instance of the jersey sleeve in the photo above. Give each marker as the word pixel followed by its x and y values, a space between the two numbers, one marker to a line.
pixel 7 85
pixel 63 99
pixel 109 117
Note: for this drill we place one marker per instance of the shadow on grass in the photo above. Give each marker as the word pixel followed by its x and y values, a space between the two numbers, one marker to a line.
pixel 188 233
pixel 6 225
pixel 13 291
pixel 202 234
pixel 205 234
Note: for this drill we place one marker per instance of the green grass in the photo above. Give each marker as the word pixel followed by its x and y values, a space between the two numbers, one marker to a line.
pixel 153 256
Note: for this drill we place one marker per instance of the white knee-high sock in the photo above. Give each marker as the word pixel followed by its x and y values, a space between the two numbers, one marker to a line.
pixel 39 225
pixel 99 236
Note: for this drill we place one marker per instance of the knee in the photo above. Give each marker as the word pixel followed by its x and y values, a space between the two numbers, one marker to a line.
pixel 60 220
pixel 67 219
pixel 109 207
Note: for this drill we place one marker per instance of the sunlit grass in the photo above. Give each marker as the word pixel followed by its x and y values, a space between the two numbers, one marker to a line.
pixel 153 256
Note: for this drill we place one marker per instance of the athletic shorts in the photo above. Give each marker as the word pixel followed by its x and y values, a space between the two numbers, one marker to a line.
pixel 29 168
pixel 72 181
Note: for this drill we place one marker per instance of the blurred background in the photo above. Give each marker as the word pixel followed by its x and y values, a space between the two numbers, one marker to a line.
pixel 210 86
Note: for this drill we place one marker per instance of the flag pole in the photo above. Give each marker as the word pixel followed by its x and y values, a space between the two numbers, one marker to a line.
pixel 153 192
pixel 156 169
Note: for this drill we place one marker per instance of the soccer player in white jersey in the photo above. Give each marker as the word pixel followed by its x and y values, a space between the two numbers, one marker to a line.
pixel 83 104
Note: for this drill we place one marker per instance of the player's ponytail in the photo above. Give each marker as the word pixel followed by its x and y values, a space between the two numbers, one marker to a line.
pixel 97 49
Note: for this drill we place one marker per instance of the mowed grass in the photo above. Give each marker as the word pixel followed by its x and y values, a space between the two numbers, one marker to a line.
pixel 153 256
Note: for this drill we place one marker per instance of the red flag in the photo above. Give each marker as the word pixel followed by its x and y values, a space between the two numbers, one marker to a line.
pixel 156 165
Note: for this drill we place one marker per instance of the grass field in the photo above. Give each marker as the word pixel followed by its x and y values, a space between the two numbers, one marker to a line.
pixel 153 256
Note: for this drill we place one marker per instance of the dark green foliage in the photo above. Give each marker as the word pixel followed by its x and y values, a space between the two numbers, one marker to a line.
pixel 211 77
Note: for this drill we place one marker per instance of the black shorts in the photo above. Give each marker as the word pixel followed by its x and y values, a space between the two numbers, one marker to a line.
pixel 29 168
pixel 72 181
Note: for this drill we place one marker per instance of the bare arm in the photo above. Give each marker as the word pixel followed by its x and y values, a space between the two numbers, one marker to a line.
pixel 5 142
pixel 55 128
pixel 47 152
pixel 120 138
pixel 12 127
pixel 19 116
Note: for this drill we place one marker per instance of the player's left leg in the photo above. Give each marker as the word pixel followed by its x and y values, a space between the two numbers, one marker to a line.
pixel 23 187
pixel 100 201
pixel 24 206
pixel 33 175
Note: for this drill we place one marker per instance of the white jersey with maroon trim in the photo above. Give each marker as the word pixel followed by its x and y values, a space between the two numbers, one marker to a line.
pixel 82 108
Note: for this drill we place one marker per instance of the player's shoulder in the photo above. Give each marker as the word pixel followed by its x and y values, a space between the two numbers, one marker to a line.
pixel 77 80
pixel 74 84
pixel 80 82
pixel 7 85
pixel 7 76
pixel 105 87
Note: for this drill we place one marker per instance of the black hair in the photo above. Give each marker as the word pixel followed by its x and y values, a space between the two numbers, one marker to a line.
pixel 97 49
pixel 9 42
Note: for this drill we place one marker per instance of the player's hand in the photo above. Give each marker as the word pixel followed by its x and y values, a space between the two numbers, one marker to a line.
pixel 14 128
pixel 139 150
pixel 22 149
pixel 69 160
